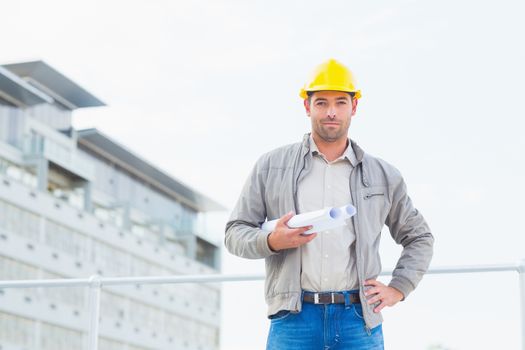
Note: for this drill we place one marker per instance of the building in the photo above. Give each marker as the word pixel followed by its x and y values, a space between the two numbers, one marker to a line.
pixel 74 203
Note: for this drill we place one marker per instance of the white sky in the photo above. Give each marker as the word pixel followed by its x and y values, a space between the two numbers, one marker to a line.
pixel 203 88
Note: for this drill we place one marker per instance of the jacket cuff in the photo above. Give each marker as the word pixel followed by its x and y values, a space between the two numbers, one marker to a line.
pixel 262 244
pixel 403 285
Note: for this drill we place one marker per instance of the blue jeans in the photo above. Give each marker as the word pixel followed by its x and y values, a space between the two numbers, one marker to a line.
pixel 323 327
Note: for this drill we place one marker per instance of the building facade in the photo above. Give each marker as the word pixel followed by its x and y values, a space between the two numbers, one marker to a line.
pixel 74 203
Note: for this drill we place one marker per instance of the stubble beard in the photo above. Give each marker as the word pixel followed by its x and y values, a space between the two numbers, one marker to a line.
pixel 331 135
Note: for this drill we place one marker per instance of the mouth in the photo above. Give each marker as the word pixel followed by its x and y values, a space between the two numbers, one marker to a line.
pixel 331 124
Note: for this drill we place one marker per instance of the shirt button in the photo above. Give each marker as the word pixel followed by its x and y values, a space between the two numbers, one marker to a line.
pixel 325 279
pixel 326 256
pixel 329 187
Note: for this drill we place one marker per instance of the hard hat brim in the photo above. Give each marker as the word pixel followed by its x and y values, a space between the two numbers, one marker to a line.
pixel 304 92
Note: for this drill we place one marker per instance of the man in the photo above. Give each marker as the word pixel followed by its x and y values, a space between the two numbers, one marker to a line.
pixel 321 289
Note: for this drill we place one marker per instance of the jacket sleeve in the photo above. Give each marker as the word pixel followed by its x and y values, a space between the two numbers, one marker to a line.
pixel 243 236
pixel 409 229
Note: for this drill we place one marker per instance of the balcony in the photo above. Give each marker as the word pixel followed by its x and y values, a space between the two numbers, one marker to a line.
pixel 59 154
pixel 43 142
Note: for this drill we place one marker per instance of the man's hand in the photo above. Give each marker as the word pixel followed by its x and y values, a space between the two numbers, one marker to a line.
pixel 283 237
pixel 389 296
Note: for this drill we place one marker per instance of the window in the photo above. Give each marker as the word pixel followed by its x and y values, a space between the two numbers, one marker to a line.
pixel 17 173
pixel 206 252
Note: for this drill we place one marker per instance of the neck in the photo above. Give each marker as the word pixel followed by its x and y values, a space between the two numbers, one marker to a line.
pixel 331 150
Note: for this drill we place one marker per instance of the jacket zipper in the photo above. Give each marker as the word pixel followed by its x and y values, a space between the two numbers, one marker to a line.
pixel 370 195
pixel 354 222
pixel 296 180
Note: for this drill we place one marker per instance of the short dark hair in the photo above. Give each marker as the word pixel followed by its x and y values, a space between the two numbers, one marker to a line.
pixel 310 93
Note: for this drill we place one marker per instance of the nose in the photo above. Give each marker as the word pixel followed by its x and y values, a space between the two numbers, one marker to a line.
pixel 331 113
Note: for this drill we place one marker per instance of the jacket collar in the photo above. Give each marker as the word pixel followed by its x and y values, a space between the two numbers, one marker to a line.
pixel 359 153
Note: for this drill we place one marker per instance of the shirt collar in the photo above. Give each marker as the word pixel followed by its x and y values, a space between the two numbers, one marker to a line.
pixel 348 154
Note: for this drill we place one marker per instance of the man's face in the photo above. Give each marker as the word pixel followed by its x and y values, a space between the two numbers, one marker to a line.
pixel 331 113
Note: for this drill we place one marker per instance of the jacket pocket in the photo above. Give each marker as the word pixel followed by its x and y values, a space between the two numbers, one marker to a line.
pixel 372 211
pixel 373 194
pixel 274 266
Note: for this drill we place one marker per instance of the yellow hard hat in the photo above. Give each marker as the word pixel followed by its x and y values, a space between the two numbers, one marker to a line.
pixel 333 76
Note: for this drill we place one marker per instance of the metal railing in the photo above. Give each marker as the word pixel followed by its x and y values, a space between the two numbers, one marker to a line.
pixel 95 284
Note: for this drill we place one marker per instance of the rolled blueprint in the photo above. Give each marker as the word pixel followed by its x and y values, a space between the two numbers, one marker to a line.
pixel 348 211
pixel 321 220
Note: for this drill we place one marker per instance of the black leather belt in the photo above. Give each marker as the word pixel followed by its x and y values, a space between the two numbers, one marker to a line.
pixel 330 298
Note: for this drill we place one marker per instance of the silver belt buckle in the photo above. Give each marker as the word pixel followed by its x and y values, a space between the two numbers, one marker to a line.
pixel 316 298
pixel 332 298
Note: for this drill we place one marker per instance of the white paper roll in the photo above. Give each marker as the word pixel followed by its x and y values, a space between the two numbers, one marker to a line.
pixel 348 211
pixel 321 220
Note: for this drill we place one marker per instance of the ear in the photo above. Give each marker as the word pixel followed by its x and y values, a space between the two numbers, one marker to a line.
pixel 354 106
pixel 307 106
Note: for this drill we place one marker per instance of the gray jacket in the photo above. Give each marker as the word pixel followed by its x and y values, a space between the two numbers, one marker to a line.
pixel 379 194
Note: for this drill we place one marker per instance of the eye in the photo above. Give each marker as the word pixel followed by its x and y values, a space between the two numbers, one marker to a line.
pixel 342 102
pixel 320 103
